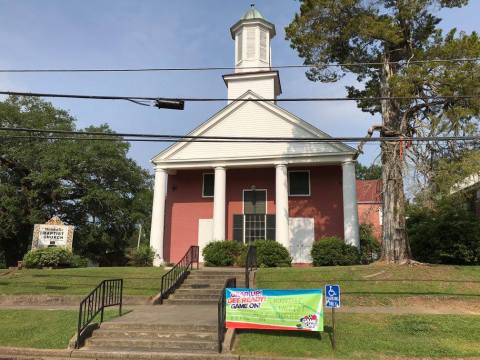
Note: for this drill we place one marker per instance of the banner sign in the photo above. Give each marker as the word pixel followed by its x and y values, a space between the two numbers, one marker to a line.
pixel 274 309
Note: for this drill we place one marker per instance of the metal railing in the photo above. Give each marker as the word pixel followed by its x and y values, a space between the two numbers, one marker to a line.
pixel 107 293
pixel 250 263
pixel 229 283
pixel 175 276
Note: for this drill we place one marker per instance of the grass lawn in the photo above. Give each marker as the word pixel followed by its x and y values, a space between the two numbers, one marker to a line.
pixel 379 284
pixel 44 329
pixel 143 281
pixel 373 336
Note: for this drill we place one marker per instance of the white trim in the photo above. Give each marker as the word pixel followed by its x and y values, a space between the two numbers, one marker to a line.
pixel 309 184
pixel 259 161
pixel 233 106
pixel 203 185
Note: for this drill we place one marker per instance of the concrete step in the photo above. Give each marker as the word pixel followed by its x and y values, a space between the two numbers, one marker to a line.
pixel 194 296
pixel 112 353
pixel 210 281
pixel 155 334
pixel 172 301
pixel 149 344
pixel 216 274
pixel 216 279
pixel 200 291
pixel 158 327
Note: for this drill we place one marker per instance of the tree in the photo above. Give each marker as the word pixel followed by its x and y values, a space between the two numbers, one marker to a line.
pixel 416 96
pixel 90 184
pixel 371 172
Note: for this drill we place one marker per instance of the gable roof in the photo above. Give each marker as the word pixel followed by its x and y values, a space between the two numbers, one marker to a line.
pixel 251 118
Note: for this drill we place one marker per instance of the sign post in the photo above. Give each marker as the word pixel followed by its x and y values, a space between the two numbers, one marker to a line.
pixel 53 233
pixel 332 300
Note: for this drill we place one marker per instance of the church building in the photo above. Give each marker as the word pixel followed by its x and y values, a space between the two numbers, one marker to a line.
pixel 292 192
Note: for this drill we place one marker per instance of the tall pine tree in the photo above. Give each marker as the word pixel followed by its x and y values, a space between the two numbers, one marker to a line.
pixel 395 34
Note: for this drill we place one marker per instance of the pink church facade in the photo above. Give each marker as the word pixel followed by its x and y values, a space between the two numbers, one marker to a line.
pixel 295 190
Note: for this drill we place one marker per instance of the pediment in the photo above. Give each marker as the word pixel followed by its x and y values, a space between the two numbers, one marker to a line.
pixel 251 119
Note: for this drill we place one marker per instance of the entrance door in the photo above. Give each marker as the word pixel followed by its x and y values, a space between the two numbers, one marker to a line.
pixel 255 214
pixel 302 236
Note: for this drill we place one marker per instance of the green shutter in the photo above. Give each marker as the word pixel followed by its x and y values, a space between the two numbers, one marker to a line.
pixel 271 227
pixel 238 228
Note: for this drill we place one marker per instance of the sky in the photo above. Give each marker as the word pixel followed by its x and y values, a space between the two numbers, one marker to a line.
pixel 161 33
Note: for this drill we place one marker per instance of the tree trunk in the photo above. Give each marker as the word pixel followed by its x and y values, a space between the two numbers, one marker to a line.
pixel 395 246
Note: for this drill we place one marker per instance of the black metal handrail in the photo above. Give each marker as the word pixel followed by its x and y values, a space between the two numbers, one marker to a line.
pixel 107 293
pixel 175 276
pixel 222 311
pixel 250 263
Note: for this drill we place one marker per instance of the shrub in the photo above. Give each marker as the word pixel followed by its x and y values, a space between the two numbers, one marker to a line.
pixel 272 254
pixel 143 256
pixel 449 234
pixel 222 253
pixel 369 246
pixel 79 261
pixel 333 251
pixel 48 257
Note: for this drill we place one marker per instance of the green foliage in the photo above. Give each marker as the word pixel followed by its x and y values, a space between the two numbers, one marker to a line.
pixel 92 185
pixel 369 245
pixel 272 254
pixel 143 256
pixel 222 253
pixel 48 257
pixel 332 250
pixel 371 172
pixel 79 261
pixel 449 234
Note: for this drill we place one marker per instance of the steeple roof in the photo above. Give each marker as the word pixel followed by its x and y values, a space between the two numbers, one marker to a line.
pixel 253 16
pixel 252 13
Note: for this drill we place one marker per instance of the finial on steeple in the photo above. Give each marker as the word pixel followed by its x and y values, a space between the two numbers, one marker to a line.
pixel 252 5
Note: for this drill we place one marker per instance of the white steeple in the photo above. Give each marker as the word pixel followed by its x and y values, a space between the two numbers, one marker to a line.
pixel 253 57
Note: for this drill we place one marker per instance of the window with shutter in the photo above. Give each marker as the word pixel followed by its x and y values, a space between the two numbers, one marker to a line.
pixel 263 44
pixel 240 46
pixel 299 183
pixel 208 185
pixel 250 43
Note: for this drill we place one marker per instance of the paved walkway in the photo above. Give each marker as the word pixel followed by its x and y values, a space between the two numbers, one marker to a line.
pixel 207 314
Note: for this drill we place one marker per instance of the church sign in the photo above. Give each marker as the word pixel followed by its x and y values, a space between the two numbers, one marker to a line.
pixel 54 233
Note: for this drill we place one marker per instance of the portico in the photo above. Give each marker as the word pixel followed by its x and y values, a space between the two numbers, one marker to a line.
pixel 291 192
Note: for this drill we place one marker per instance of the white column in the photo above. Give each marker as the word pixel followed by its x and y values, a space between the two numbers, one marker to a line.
pixel 158 215
pixel 350 210
pixel 281 205
pixel 219 206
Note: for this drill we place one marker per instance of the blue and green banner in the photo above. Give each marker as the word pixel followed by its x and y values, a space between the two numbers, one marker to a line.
pixel 274 309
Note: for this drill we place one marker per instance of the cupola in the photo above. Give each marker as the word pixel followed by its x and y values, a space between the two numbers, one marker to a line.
pixel 252 35
pixel 253 58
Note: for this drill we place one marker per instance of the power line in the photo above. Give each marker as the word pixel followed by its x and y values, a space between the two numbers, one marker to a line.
pixel 225 68
pixel 138 99
pixel 84 135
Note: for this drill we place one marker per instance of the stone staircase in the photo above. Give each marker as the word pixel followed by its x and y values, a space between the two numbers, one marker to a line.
pixel 152 338
pixel 202 287
pixel 184 327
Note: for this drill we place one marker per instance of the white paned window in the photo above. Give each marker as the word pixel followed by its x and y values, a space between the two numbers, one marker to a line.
pixel 263 44
pixel 250 43
pixel 240 46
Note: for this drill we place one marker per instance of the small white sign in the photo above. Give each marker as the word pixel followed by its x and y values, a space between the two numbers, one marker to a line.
pixel 53 233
